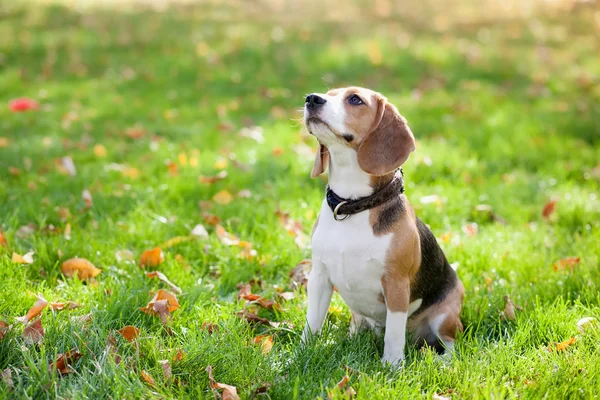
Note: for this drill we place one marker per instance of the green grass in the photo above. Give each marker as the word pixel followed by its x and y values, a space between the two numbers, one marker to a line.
pixel 506 114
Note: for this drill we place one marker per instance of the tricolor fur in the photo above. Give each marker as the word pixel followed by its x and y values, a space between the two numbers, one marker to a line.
pixel 385 262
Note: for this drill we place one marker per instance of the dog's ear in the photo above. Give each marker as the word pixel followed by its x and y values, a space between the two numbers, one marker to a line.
pixel 321 161
pixel 389 144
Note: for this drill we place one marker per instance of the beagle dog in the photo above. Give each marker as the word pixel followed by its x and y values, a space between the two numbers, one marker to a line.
pixel 367 241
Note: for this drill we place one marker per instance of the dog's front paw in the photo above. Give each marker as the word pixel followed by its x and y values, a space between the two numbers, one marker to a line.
pixel 394 360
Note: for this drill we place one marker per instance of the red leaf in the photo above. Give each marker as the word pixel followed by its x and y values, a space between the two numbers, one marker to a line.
pixel 567 262
pixel 549 208
pixel 23 104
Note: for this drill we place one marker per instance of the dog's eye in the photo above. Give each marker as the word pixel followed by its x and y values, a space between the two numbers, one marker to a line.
pixel 354 100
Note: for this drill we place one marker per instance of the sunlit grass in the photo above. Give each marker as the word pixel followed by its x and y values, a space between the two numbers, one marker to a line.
pixel 506 116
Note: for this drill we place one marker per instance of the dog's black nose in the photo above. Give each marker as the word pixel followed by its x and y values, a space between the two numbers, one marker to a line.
pixel 314 101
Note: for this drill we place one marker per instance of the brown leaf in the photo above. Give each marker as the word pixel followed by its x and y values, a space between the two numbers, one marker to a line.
pixel 562 346
pixel 163 304
pixel 4 327
pixel 253 318
pixel 210 219
pixel 152 258
pixel 4 142
pixel 70 305
pixel 549 208
pixel 566 263
pixel 7 379
pixel 166 366
pixel 81 267
pixel 229 392
pixel 210 327
pixel 179 355
pixel 35 310
pixel 294 229
pixel 163 278
pixel 212 179
pixel 509 308
pixel 23 259
pixel 129 332
pixel 148 378
pixel 14 171
pixel 63 361
pixel 300 273
pixel 223 197
pixel 34 332
pixel 266 343
pixel 135 132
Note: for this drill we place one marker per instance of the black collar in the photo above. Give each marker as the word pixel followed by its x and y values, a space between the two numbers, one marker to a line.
pixel 347 207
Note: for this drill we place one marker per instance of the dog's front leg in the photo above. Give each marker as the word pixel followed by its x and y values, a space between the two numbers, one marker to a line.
pixel 319 291
pixel 397 296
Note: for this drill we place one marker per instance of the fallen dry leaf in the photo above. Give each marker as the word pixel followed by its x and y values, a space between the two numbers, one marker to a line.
pixel 148 378
pixel 162 304
pixel 87 198
pixel 23 104
pixel 152 258
pixel 129 332
pixel 35 310
pixel 163 278
pixel 549 208
pixel 562 346
pixel 226 237
pixel 566 263
pixel 179 355
pixel 63 361
pixel 112 349
pixel 265 342
pixel 586 323
pixel 212 179
pixel 439 397
pixel 14 171
pixel 3 241
pixel 34 332
pixel 244 194
pixel 175 241
pixel 26 230
pixel 343 385
pixel 210 219
pixel 300 272
pixel 7 379
pixel 470 229
pixel 294 229
pixel 210 327
pixel 100 150
pixel 223 197
pixel 81 267
pixel 166 366
pixel 4 142
pixel 199 231
pixel 287 295
pixel 4 327
pixel 69 305
pixel 124 255
pixel 509 308
pixel 173 169
pixel 229 392
pixel 253 318
pixel 23 259
pixel 67 166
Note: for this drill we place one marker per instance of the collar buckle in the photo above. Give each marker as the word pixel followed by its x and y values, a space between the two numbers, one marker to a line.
pixel 337 209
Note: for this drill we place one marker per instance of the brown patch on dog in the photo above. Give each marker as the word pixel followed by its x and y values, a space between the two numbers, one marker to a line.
pixel 388 146
pixel 381 298
pixel 451 306
pixel 403 258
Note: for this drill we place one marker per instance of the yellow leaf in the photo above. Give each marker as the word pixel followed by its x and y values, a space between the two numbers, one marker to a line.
pixel 23 259
pixel 221 163
pixel 152 258
pixel 223 197
pixel 266 343
pixel 100 150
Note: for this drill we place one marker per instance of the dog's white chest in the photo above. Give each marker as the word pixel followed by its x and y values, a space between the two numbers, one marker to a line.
pixel 354 259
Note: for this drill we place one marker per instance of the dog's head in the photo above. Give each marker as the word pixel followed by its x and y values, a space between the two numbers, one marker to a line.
pixel 365 122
